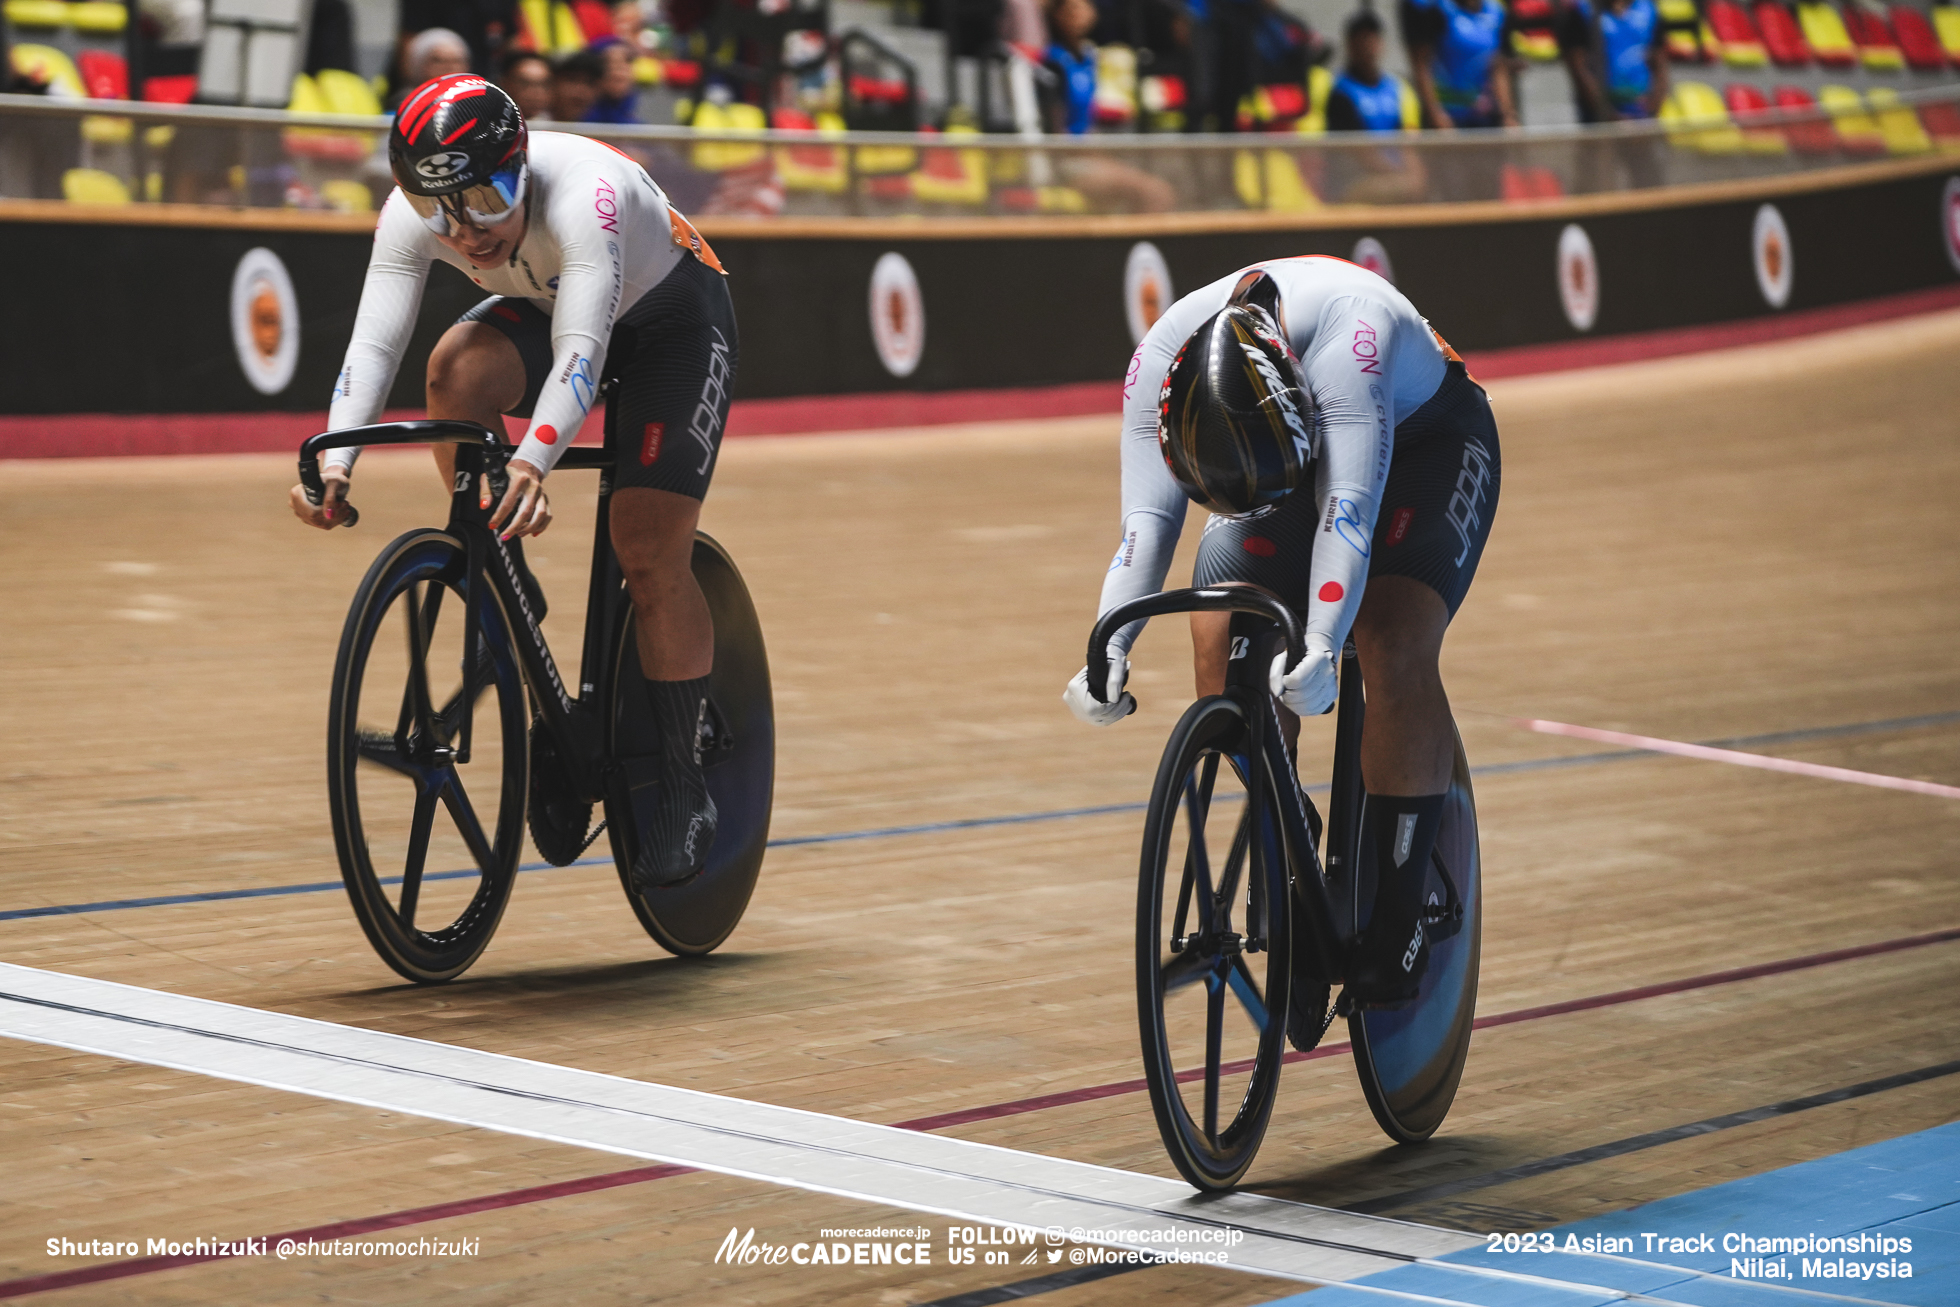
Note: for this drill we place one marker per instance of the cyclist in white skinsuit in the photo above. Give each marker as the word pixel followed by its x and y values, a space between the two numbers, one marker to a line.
pixel 1380 539
pixel 591 273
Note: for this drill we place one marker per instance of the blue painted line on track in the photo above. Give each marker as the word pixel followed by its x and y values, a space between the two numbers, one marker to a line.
pixel 1875 1197
pixel 976 823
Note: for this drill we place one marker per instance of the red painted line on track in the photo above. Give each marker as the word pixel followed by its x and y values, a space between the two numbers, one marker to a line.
pixel 102 435
pixel 638 1175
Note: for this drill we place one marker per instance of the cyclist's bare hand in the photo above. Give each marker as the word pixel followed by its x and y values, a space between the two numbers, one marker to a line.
pixel 330 512
pixel 524 511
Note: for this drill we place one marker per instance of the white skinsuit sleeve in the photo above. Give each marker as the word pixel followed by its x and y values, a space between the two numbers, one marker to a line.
pixel 390 298
pixel 1348 374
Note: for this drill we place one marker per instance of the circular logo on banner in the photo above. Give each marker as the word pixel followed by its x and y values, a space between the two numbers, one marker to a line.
pixel 1578 277
pixel 1950 220
pixel 264 321
pixel 1368 253
pixel 898 315
pixel 1146 288
pixel 1775 264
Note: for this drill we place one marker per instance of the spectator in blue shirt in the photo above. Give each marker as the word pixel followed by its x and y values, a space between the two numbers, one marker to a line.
pixel 1459 55
pixel 1072 60
pixel 1616 52
pixel 1366 99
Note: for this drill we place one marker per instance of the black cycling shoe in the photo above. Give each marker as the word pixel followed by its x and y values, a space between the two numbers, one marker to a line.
pixel 1389 975
pixel 674 845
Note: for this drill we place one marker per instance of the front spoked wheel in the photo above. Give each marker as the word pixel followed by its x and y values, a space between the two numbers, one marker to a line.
pixel 1213 945
pixel 426 768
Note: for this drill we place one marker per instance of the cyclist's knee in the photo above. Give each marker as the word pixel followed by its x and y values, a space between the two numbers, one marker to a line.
pixel 465 367
pixel 1399 634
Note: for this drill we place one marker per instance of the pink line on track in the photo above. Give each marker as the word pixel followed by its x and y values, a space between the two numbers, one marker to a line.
pixel 615 1179
pixel 1737 758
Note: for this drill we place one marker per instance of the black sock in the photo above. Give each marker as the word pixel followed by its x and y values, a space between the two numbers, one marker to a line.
pixel 1404 830
pixel 679 708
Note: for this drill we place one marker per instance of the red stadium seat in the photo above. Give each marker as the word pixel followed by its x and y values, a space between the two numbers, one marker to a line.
pixel 1745 101
pixel 170 90
pixel 1877 48
pixel 1917 41
pixel 1816 136
pixel 104 74
pixel 1942 122
pixel 1741 46
pixel 1781 35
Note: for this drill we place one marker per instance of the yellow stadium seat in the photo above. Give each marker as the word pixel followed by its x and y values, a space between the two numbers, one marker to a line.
pixel 1899 125
pixel 1270 179
pixel 1060 199
pixel 553 26
pixel 93 186
pixel 1829 39
pixel 1116 84
pixel 99 129
pixel 347 196
pixel 345 92
pixel 98 16
pixel 720 156
pixel 818 168
pixel 884 160
pixel 37 13
pixel 1946 21
pixel 952 176
pixel 1696 119
pixel 646 70
pixel 310 95
pixel 1856 128
pixel 44 63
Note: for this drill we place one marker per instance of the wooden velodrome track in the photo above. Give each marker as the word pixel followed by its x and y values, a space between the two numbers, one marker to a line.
pixel 1734 545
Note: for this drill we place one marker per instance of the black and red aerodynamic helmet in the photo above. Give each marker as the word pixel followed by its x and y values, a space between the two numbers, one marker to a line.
pixel 458 149
pixel 1233 421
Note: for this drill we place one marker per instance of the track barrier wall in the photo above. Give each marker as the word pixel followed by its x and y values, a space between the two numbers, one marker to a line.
pixel 184 310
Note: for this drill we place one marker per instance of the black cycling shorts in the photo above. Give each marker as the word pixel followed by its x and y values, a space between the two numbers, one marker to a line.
pixel 674 353
pixel 1435 515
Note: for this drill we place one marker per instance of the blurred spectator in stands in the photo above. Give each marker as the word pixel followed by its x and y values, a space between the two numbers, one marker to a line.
pixel 1107 183
pixel 1459 55
pixel 575 86
pixel 1072 62
pixel 436 52
pixel 330 37
pixel 1616 52
pixel 487 28
pixel 527 80
pixel 617 93
pixel 1366 99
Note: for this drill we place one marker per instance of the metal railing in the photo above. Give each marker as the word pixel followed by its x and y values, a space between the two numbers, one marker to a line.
pixel 111 152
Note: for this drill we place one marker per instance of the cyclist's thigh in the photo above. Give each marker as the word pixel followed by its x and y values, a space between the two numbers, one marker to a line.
pixel 1441 493
pixel 1274 551
pixel 529 328
pixel 674 354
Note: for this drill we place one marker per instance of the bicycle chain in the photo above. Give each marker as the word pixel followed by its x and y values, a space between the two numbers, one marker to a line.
pixel 597 831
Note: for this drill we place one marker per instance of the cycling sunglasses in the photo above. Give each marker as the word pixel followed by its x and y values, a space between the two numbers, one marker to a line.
pixel 484 205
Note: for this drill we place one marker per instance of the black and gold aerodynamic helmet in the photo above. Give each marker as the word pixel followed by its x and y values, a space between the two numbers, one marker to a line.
pixel 1233 421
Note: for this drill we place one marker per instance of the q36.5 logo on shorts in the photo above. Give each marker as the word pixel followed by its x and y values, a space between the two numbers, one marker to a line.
pixel 441 167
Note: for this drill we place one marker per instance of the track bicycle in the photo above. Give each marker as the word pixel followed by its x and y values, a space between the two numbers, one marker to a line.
pixel 464 712
pixel 1267 930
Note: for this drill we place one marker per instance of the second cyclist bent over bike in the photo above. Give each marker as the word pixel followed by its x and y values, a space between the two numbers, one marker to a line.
pixel 593 275
pixel 1351 466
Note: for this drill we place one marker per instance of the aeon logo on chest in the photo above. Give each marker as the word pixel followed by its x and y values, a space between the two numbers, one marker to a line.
pixel 605 203
pixel 1367 348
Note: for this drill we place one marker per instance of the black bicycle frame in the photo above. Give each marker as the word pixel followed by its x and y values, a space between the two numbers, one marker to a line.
pixel 1332 929
pixel 575 721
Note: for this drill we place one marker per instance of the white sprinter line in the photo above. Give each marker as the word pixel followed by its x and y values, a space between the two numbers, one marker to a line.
pixel 804 1150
